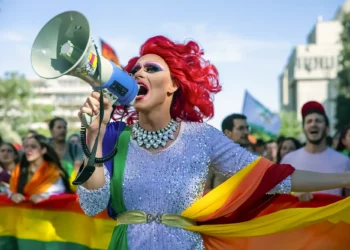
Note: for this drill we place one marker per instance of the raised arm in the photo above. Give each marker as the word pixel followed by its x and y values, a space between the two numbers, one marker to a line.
pixel 91 107
pixel 94 194
pixel 95 201
pixel 307 181
pixel 229 158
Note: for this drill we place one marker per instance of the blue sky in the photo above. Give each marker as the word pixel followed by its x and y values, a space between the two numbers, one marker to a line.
pixel 248 41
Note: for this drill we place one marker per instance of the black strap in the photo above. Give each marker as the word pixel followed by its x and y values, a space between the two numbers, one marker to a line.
pixel 85 173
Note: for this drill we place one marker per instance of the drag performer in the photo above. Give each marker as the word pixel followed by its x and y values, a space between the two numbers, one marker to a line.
pixel 154 186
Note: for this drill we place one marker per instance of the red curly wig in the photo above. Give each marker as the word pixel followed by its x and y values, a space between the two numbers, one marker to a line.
pixel 197 79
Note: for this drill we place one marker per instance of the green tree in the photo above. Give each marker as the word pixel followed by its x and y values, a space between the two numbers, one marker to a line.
pixel 343 85
pixel 290 127
pixel 7 134
pixel 17 106
pixel 15 93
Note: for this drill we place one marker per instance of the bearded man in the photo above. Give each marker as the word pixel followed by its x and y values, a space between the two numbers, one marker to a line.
pixel 316 155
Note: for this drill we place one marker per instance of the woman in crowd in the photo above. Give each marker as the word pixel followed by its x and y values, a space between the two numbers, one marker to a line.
pixel 39 173
pixel 9 157
pixel 289 144
pixel 344 141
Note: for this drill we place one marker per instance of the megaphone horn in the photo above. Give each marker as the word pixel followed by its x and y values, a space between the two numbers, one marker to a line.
pixel 64 47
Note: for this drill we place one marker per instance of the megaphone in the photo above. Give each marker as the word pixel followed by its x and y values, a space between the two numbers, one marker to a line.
pixel 64 46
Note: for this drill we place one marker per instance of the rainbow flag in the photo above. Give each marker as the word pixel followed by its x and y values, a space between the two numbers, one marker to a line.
pixel 93 60
pixel 109 53
pixel 235 215
pixel 57 223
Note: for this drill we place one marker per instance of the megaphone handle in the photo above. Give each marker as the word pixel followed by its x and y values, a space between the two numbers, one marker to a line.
pixel 87 119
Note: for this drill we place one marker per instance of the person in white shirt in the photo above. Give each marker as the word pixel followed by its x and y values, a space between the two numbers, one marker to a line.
pixel 316 155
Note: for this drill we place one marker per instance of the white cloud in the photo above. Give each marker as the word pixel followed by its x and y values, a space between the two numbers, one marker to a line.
pixel 9 36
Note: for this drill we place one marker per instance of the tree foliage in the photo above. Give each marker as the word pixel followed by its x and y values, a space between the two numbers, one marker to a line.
pixel 17 108
pixel 290 127
pixel 15 93
pixel 343 98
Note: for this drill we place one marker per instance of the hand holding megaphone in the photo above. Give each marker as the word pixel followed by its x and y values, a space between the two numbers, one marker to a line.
pixel 91 108
pixel 64 47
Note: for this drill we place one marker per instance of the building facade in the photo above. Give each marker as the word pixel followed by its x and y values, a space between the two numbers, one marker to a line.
pixel 311 70
pixel 66 94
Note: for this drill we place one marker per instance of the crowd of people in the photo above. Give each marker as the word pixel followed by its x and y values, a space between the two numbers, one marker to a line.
pixel 22 169
pixel 43 166
pixel 320 152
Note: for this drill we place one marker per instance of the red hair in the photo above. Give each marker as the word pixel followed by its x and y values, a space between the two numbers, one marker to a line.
pixel 197 79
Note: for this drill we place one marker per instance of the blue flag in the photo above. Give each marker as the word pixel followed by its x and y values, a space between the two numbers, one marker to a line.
pixel 259 117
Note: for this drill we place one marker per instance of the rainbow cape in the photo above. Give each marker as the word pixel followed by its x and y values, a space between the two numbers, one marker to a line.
pixel 55 224
pixel 236 215
pixel 60 224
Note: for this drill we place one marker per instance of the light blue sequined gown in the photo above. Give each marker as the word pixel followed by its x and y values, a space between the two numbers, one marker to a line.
pixel 169 181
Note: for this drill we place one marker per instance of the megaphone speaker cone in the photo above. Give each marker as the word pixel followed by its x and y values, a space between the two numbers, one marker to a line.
pixel 46 58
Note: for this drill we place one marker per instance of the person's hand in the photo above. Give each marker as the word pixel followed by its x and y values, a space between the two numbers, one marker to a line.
pixel 92 107
pixel 304 197
pixel 36 198
pixel 17 198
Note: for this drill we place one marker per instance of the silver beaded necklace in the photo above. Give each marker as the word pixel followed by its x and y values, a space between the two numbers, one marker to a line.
pixel 154 139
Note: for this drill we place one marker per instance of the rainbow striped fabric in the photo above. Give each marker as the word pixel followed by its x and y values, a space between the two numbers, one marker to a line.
pixel 235 215
pixel 57 223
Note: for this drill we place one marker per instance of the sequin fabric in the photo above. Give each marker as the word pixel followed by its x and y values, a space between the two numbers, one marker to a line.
pixel 169 181
pixel 283 188
pixel 95 201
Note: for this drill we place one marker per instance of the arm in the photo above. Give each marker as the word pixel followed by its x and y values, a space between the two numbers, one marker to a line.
pixel 229 158
pixel 95 201
pixel 307 181
pixel 97 180
pixel 91 107
pixel 56 188
pixel 94 194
